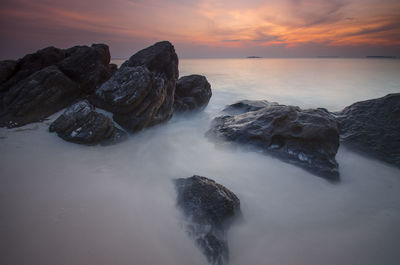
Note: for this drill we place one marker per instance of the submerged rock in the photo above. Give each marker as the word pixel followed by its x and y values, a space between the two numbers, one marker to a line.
pixel 307 138
pixel 210 209
pixel 192 92
pixel 373 126
pixel 44 82
pixel 141 93
pixel 80 123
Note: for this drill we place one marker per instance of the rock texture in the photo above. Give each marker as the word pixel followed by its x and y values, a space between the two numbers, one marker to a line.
pixel 192 92
pixel 80 123
pixel 210 209
pixel 141 93
pixel 44 82
pixel 373 127
pixel 308 138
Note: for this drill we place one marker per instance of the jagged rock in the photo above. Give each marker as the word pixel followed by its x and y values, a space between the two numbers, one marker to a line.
pixel 87 66
pixel 36 97
pixel 308 138
pixel 141 93
pixel 373 127
pixel 80 123
pixel 192 92
pixel 78 71
pixel 209 209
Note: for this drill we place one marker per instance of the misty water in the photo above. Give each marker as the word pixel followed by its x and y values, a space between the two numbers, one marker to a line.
pixel 67 204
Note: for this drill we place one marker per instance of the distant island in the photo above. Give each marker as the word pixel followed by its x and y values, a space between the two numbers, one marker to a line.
pixel 253 57
pixel 381 57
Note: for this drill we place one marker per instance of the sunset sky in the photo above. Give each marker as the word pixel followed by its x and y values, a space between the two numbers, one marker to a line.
pixel 205 28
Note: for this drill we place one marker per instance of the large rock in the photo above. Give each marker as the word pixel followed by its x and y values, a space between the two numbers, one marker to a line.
pixel 141 93
pixel 49 80
pixel 308 138
pixel 192 92
pixel 80 123
pixel 209 209
pixel 373 127
pixel 36 97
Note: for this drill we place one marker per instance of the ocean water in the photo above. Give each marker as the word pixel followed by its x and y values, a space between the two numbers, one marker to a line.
pixel 66 204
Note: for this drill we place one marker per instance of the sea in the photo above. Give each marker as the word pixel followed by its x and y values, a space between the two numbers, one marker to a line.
pixel 67 204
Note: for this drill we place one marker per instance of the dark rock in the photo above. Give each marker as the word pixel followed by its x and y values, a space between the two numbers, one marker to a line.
pixel 192 92
pixel 77 72
pixel 80 123
pixel 141 93
pixel 210 209
pixel 162 61
pixel 308 138
pixel 87 66
pixel 112 68
pixel 36 97
pixel 7 69
pixel 244 106
pixel 373 127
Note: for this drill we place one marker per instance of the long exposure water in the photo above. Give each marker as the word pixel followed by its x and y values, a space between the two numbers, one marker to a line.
pixel 66 204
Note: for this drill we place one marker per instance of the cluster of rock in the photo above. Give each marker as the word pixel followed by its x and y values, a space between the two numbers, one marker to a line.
pixel 145 91
pixel 42 83
pixel 310 138
pixel 210 209
pixel 141 93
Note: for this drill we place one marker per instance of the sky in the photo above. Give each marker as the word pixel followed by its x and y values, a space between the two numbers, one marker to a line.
pixel 205 28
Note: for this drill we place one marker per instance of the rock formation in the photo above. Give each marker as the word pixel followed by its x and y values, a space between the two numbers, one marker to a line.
pixel 49 80
pixel 192 92
pixel 209 209
pixel 80 123
pixel 308 138
pixel 373 127
pixel 141 93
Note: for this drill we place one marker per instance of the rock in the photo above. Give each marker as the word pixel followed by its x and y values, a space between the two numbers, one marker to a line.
pixel 87 66
pixel 307 138
pixel 81 124
pixel 141 93
pixel 77 71
pixel 192 92
pixel 162 61
pixel 37 96
pixel 210 209
pixel 7 69
pixel 246 106
pixel 373 127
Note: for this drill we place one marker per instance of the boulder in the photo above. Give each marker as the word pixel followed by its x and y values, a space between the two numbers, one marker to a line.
pixel 36 97
pixel 210 209
pixel 307 138
pixel 192 92
pixel 87 66
pixel 77 72
pixel 141 92
pixel 81 124
pixel 373 127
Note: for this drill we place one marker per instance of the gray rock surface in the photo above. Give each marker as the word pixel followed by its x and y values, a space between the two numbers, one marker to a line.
pixel 81 124
pixel 77 72
pixel 141 93
pixel 210 209
pixel 307 138
pixel 373 127
pixel 192 92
